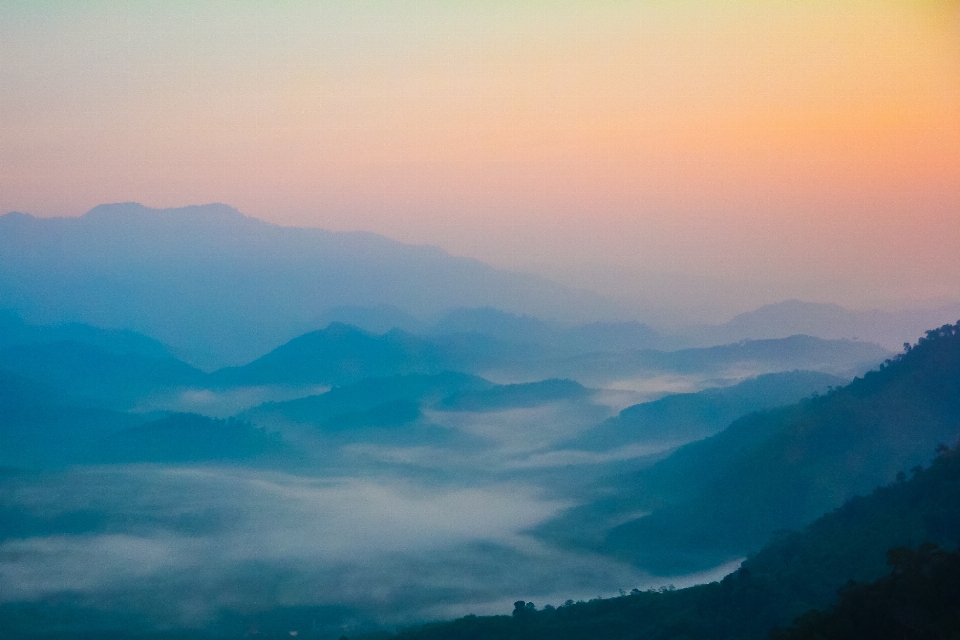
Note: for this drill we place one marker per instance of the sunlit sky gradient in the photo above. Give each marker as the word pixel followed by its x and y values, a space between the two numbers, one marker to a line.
pixel 702 154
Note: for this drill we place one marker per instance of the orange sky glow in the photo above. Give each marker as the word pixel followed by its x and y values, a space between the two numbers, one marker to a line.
pixel 749 151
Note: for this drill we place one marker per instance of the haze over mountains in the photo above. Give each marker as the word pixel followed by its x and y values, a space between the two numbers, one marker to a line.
pixel 432 320
pixel 383 434
pixel 258 510
pixel 222 288
pixel 888 328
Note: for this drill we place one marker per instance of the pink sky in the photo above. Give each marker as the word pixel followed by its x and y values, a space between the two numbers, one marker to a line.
pixel 702 154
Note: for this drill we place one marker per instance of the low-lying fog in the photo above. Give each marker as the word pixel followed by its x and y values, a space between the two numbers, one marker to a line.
pixel 431 520
pixel 203 539
pixel 223 403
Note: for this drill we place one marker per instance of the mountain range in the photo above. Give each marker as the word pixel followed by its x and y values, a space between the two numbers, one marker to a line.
pixel 215 427
pixel 221 288
pixel 890 329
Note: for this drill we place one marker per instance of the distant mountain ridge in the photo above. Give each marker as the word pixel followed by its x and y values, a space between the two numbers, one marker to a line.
pixel 554 337
pixel 742 359
pixel 222 288
pixel 342 354
pixel 15 331
pixel 337 355
pixel 693 416
pixel 891 329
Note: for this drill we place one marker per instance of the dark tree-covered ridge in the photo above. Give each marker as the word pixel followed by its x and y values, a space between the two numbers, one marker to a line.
pixel 919 600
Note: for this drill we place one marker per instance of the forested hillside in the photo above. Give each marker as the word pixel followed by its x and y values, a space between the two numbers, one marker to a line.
pixel 919 599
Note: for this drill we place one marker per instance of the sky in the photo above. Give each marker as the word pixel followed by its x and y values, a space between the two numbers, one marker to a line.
pixel 707 155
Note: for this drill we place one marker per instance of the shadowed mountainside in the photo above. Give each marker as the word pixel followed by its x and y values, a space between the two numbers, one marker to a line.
pixel 919 599
pixel 39 425
pixel 115 380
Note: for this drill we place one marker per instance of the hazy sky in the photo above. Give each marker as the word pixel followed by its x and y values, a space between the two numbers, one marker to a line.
pixel 722 152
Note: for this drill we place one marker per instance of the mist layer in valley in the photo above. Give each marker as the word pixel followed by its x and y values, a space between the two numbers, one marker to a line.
pixel 398 493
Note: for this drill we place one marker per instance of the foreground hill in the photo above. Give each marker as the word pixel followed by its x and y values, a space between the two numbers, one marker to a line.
pixel 919 599
pixel 788 577
pixel 222 288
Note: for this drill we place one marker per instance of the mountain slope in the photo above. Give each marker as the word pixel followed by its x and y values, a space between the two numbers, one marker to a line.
pixel 919 599
pixel 41 426
pixel 94 373
pixel 14 331
pixel 684 417
pixel 339 354
pixel 222 288
pixel 185 437
pixel 784 468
